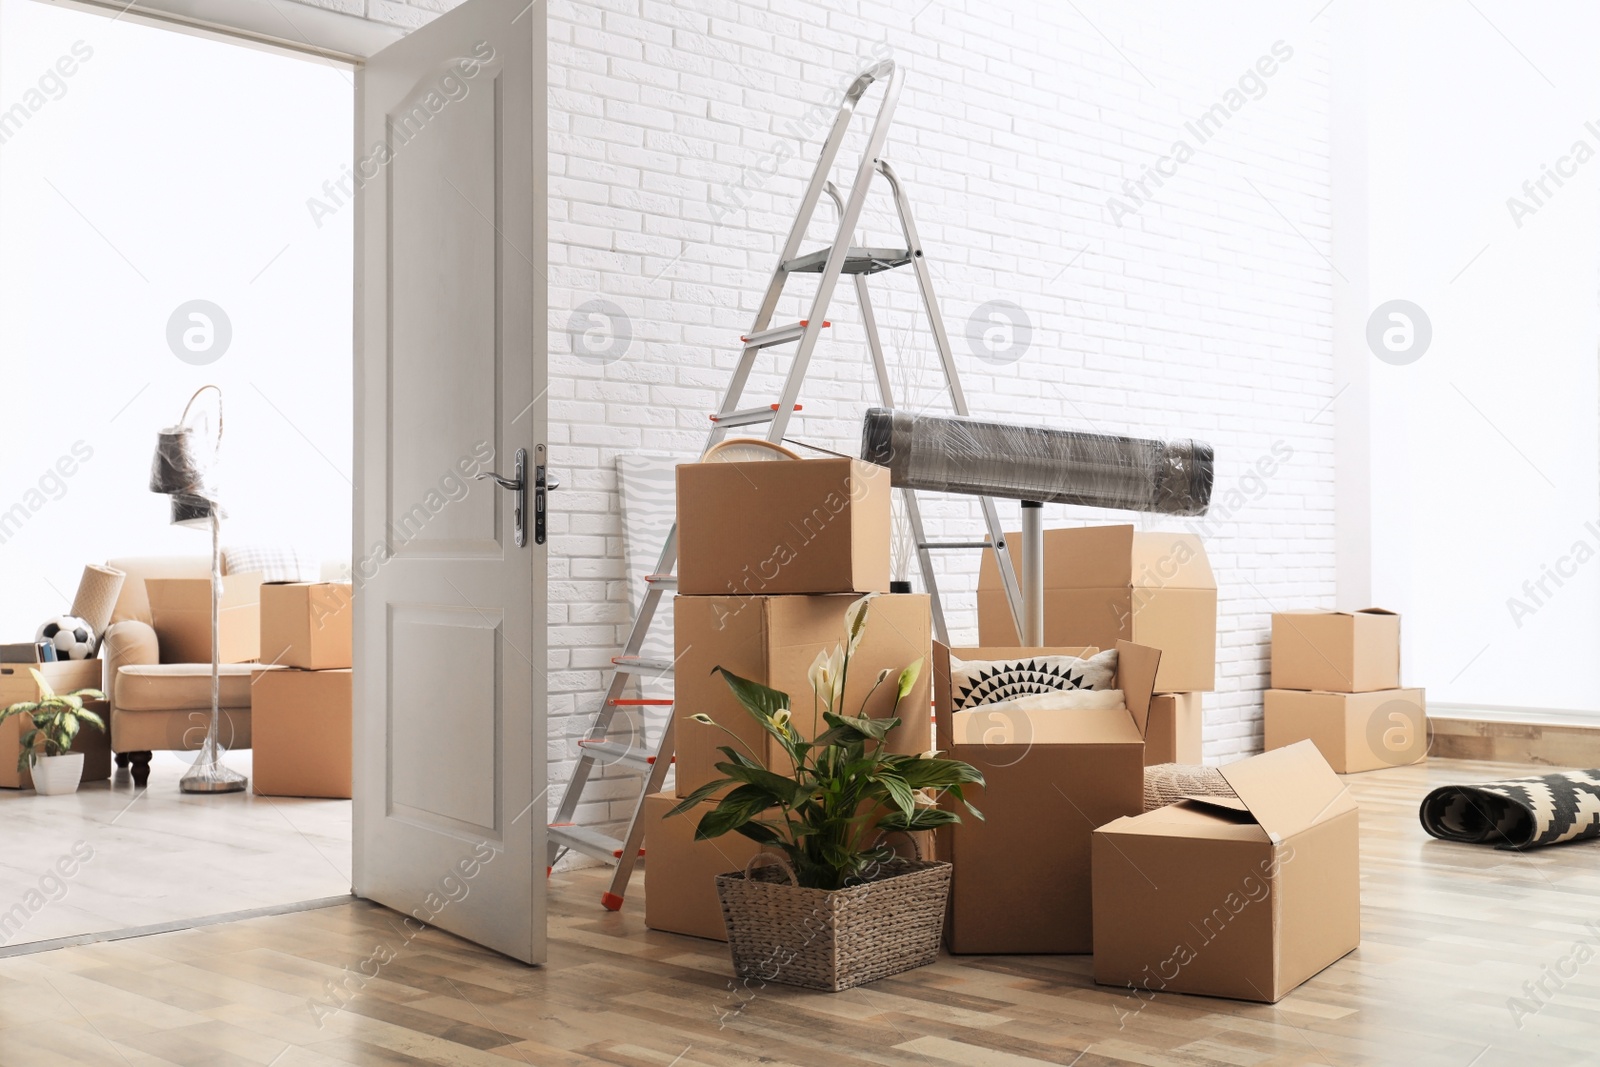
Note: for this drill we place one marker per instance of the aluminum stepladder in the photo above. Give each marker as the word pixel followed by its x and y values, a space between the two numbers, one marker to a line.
pixel 597 750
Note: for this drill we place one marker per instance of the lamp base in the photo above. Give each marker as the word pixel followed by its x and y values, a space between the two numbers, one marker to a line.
pixel 212 778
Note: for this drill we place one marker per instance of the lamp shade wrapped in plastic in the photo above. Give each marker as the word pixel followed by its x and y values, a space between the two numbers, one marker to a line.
pixel 954 454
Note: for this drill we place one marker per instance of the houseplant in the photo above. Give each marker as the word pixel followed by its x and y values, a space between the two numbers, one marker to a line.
pixel 56 719
pixel 841 908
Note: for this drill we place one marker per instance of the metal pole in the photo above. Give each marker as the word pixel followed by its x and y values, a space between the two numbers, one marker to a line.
pixel 1032 574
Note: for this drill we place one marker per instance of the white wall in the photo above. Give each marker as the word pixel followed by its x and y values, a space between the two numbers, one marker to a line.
pixel 1201 306
pixel 1484 450
pixel 124 195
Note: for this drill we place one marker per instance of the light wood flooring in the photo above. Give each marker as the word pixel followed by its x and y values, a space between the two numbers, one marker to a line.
pixel 1451 933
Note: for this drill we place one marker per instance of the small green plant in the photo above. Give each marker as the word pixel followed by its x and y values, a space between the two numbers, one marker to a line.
pixel 844 792
pixel 57 717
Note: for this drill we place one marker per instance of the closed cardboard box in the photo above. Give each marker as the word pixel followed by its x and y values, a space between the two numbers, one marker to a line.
pixel 774 640
pixel 680 873
pixel 1176 731
pixel 1353 731
pixel 306 624
pixel 1105 584
pixel 1241 897
pixel 795 526
pixel 66 676
pixel 1336 651
pixel 300 726
pixel 180 610
pixel 1020 879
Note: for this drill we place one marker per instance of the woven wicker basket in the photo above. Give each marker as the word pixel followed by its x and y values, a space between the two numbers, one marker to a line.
pixel 833 939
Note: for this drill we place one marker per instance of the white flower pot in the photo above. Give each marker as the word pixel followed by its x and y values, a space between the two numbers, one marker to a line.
pixel 56 775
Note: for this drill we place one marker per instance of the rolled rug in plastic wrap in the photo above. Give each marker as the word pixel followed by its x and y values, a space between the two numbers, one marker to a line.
pixel 1517 813
pixel 955 454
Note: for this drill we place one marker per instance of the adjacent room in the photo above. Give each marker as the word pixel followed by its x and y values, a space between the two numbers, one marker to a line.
pixel 850 532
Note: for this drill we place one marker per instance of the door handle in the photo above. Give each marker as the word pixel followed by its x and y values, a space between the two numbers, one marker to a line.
pixel 518 484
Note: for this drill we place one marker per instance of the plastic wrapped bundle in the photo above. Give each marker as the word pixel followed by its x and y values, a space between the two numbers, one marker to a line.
pixel 952 454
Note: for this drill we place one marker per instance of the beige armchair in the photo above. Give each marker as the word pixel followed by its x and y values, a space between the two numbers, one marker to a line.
pixel 156 705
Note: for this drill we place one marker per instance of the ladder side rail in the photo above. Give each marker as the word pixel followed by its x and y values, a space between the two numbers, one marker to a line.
pixel 636 828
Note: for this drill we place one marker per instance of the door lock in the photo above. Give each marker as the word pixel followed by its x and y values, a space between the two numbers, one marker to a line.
pixel 543 482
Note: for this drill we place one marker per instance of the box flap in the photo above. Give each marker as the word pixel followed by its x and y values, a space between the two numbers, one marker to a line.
pixel 1097 726
pixel 1376 611
pixel 1288 789
pixel 1136 676
pixel 1163 560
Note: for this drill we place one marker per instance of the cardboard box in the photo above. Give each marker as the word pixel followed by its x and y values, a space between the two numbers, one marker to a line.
pixel 799 526
pixel 306 624
pixel 1021 878
pixel 180 610
pixel 1336 651
pixel 1353 731
pixel 1244 898
pixel 66 676
pixel 1177 729
pixel 300 729
pixel 1105 584
pixel 680 889
pixel 773 640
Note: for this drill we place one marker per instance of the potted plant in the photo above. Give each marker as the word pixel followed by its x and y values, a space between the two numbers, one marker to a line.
pixel 56 718
pixel 836 907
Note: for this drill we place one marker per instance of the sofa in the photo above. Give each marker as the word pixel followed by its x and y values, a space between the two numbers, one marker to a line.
pixel 158 706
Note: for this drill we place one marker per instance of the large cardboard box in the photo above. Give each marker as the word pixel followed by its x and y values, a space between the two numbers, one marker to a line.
pixel 680 888
pixel 1104 584
pixel 66 676
pixel 300 730
pixel 306 624
pixel 798 526
pixel 1244 898
pixel 1336 651
pixel 773 640
pixel 180 609
pixel 1021 875
pixel 1353 731
pixel 1177 729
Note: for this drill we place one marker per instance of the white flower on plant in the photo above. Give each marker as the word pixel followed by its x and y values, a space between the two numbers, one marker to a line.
pixel 827 676
pixel 703 719
pixel 780 719
pixel 855 621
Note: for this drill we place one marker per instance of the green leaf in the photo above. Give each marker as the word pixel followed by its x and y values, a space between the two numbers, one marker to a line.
pixel 44 686
pixel 757 699
pixel 921 773
pixel 908 678
pixel 759 832
pixel 781 788
pixel 899 792
pixel 921 819
pixel 696 796
pixel 733 811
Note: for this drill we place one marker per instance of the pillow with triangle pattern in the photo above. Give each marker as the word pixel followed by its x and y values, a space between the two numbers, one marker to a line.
pixel 980 681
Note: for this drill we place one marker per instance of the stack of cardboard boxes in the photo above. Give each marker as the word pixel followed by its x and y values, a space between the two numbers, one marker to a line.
pixel 1105 584
pixel 770 556
pixel 1336 682
pixel 300 710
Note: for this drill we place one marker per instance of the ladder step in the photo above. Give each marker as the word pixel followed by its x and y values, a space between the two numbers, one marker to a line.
pixel 664 581
pixel 659 668
pixel 857 260
pixel 589 841
pixel 778 335
pixel 612 753
pixel 749 417
pixel 931 545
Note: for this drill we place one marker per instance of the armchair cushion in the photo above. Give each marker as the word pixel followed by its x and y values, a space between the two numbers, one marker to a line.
pixel 181 686
pixel 126 644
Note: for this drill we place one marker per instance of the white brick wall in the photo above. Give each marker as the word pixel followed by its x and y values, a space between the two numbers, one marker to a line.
pixel 1206 312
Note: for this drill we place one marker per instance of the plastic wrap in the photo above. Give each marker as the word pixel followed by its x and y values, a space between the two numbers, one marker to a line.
pixel 952 454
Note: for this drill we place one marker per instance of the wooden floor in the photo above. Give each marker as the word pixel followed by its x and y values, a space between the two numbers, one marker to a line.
pixel 1451 933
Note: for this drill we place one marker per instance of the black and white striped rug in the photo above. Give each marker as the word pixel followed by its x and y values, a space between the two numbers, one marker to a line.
pixel 1517 813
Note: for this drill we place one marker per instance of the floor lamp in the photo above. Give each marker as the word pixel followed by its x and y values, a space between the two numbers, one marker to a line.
pixel 184 454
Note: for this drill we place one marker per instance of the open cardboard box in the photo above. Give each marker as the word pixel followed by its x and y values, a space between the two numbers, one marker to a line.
pixel 1336 651
pixel 1241 897
pixel 773 640
pixel 1021 875
pixel 795 526
pixel 63 676
pixel 180 611
pixel 1104 584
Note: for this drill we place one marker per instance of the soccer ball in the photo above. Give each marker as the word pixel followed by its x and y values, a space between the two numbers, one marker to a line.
pixel 73 637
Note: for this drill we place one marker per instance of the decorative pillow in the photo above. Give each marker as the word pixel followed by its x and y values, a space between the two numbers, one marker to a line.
pixel 275 564
pixel 979 681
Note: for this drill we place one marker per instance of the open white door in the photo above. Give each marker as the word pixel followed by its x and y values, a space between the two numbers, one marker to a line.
pixel 450 379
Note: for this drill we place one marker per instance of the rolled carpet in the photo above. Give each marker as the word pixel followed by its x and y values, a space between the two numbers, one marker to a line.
pixel 1168 783
pixel 1518 813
